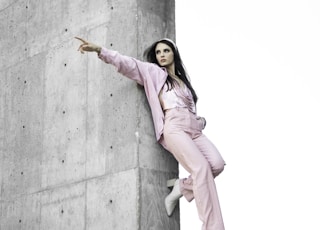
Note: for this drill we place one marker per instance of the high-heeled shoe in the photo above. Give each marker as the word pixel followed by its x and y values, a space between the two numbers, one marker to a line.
pixel 172 199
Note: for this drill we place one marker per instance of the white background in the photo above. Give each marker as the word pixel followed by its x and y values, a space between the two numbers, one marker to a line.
pixel 256 68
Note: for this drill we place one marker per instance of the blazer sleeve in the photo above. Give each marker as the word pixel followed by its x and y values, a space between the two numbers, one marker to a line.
pixel 132 68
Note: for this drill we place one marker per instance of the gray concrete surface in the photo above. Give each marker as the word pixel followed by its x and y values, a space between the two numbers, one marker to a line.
pixel 77 146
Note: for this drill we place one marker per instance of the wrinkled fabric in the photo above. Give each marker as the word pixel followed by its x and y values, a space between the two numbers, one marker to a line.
pixel 177 97
pixel 183 137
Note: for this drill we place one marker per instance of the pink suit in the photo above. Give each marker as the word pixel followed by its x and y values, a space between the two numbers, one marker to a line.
pixel 180 132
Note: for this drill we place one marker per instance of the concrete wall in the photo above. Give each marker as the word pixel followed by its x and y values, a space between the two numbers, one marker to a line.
pixel 77 146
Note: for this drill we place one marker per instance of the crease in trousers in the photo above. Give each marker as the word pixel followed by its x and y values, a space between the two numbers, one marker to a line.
pixel 183 138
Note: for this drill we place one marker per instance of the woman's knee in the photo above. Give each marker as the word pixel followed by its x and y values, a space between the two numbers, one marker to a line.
pixel 218 168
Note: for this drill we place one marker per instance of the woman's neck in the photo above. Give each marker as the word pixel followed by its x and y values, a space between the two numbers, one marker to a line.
pixel 172 74
pixel 171 69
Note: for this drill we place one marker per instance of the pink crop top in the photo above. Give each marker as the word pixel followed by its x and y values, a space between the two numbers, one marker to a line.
pixel 177 97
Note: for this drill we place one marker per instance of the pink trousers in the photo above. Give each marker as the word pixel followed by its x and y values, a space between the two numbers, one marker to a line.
pixel 183 137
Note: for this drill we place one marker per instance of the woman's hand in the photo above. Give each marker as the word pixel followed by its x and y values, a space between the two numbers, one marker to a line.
pixel 87 46
pixel 204 122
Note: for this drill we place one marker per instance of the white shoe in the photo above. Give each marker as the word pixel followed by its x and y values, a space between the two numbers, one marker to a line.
pixel 172 199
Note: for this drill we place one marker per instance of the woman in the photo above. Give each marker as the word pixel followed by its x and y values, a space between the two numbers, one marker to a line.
pixel 178 129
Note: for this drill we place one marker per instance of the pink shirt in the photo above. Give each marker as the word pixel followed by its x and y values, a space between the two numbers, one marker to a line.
pixel 150 75
pixel 177 97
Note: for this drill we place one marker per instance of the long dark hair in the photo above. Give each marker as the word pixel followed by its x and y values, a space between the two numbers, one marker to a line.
pixel 180 70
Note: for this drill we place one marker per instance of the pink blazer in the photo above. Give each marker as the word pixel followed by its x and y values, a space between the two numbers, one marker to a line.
pixel 149 75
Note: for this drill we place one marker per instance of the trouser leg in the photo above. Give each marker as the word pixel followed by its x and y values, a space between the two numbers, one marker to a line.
pixel 210 152
pixel 184 149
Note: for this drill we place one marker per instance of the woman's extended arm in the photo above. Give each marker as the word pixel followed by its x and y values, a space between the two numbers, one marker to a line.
pixel 139 71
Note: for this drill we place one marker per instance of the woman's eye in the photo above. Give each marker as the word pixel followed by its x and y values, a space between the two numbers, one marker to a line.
pixel 166 50
pixel 157 52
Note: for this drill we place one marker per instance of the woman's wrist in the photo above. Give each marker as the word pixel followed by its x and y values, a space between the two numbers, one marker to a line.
pixel 98 50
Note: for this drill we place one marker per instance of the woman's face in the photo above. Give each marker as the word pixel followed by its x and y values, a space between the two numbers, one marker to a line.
pixel 164 55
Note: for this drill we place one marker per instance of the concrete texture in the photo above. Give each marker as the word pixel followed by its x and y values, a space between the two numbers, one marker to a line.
pixel 77 146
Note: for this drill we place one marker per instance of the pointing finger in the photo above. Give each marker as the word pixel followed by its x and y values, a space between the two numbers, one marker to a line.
pixel 84 41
